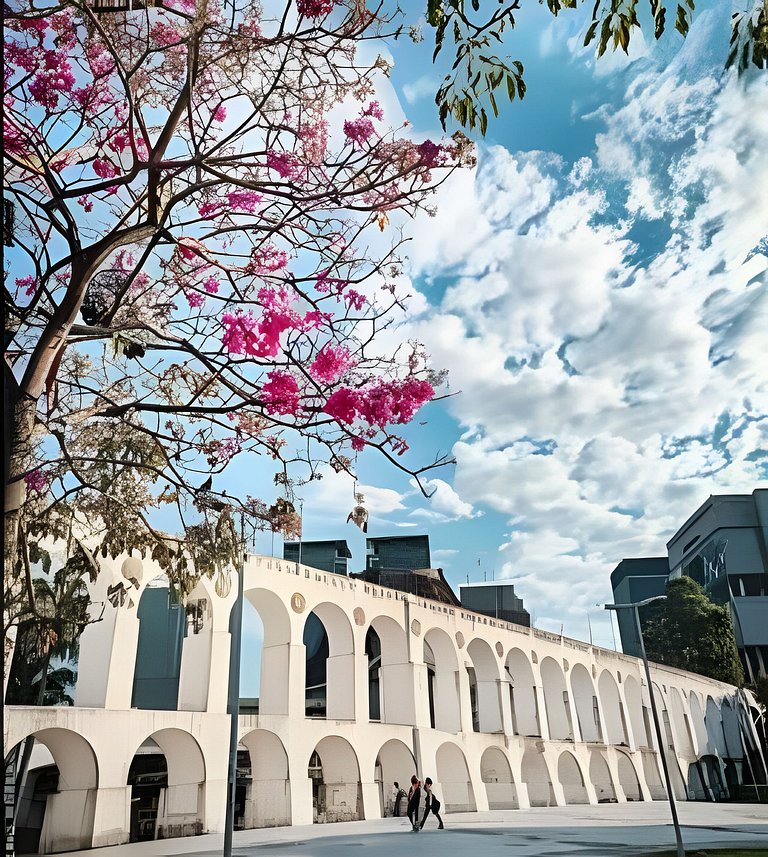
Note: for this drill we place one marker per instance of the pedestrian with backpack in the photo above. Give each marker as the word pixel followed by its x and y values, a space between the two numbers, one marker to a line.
pixel 431 804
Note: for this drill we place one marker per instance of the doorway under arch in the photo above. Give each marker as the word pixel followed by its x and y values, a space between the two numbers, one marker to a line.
pixel 394 764
pixel 337 794
pixel 522 694
pixel 499 783
pixel 453 776
pixel 442 678
pixel 600 777
pixel 628 778
pixel 535 775
pixel 267 797
pixel 571 779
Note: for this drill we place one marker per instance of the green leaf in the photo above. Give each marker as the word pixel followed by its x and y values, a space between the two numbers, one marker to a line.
pixel 590 33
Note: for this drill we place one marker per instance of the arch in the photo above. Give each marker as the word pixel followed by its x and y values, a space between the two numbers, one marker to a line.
pixel 442 681
pixel 159 646
pixel 615 729
pixel 336 791
pixel 630 783
pixel 731 733
pixel 330 666
pixel 571 779
pixel 680 724
pixel 273 614
pixel 522 694
pixel 267 799
pixel 666 723
pixel 395 677
pixel 535 775
pixel 373 657
pixel 556 700
pixel 167 777
pixel 275 659
pixel 652 776
pixel 715 733
pixel 394 764
pixel 636 711
pixel 600 777
pixel 486 668
pixel 585 702
pixel 65 791
pixel 497 776
pixel 453 776
pixel 698 723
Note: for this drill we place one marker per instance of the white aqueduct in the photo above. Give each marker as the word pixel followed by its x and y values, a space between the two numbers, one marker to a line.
pixel 500 716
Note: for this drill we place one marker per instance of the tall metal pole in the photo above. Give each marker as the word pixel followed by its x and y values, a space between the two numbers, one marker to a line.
pixel 659 739
pixel 233 704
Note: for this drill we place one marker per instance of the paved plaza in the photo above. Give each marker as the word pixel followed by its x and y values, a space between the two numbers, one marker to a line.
pixel 573 831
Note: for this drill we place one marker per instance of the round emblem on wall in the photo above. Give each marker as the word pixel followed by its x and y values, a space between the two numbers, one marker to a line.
pixel 416 627
pixel 298 602
pixel 359 616
pixel 460 639
pixel 499 649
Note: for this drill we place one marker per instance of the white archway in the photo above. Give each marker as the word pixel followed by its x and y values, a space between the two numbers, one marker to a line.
pixel 556 700
pixel 535 775
pixel 571 779
pixel 522 692
pixel 337 794
pixel 628 778
pixel 330 678
pixel 680 724
pixel 636 712
pixel 453 776
pixel 396 684
pixel 487 702
pixel 497 776
pixel 699 724
pixel 615 733
pixel 268 797
pixel 394 764
pixel 585 703
pixel 600 777
pixel 442 678
pixel 275 661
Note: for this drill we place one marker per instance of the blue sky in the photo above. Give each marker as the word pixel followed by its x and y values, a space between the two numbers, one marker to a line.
pixel 592 291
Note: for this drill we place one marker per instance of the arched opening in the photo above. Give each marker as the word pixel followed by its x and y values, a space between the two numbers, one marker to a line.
pixel 556 701
pixel 453 776
pixel 336 791
pixel 266 651
pixel 711 775
pixel 600 777
pixel 330 673
pixel 571 779
pixel 395 766
pixel 665 722
pixel 373 654
pixel 395 678
pixel 731 733
pixel 698 724
pixel 615 729
pixel 585 701
pixel 162 624
pixel 486 705
pixel 628 778
pixel 497 776
pixel 715 734
pixel 522 694
pixel 264 794
pixel 536 777
pixel 166 777
pixel 442 681
pixel 652 776
pixel 638 712
pixel 680 724
pixel 55 788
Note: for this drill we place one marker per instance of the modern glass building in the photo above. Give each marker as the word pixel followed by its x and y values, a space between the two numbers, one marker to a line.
pixel 330 556
pixel 404 553
pixel 497 599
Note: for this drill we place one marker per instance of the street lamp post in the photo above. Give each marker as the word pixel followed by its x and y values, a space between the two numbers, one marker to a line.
pixel 657 726
pixel 236 626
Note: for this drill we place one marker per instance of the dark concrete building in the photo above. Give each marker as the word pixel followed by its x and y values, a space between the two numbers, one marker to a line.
pixel 724 547
pixel 497 599
pixel 330 556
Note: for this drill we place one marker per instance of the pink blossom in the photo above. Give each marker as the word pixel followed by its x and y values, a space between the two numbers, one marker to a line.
pixel 99 59
pixel 314 319
pixel 314 8
pixel 285 164
pixel 314 141
pixel 430 154
pixel 331 363
pixel 354 300
pixel 29 284
pixel 140 281
pixel 211 285
pixel 243 334
pixel 280 394
pixel 220 113
pixel 209 208
pixel 381 403
pixel 165 34
pixel 37 480
pixel 326 285
pixel 342 405
pixel 374 109
pixel 194 299
pixel 54 79
pixel 118 142
pixel 104 168
pixel 359 131
pixel 244 200
pixel 358 444
pixel 267 259
pixel 86 202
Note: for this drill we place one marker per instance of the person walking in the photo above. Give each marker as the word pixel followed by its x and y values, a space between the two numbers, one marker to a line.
pixel 414 799
pixel 431 804
pixel 397 798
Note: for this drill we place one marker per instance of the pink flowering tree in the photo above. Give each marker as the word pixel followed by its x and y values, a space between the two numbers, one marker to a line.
pixel 206 209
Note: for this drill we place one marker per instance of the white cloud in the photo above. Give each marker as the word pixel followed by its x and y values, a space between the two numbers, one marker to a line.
pixel 420 88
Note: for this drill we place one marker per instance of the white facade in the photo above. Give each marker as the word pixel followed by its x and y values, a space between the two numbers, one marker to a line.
pixel 559 721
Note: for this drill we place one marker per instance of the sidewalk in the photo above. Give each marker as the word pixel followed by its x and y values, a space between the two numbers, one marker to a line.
pixel 586 831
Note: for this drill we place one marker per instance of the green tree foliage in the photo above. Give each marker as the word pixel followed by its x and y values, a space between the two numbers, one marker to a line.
pixel 689 632
pixel 479 77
